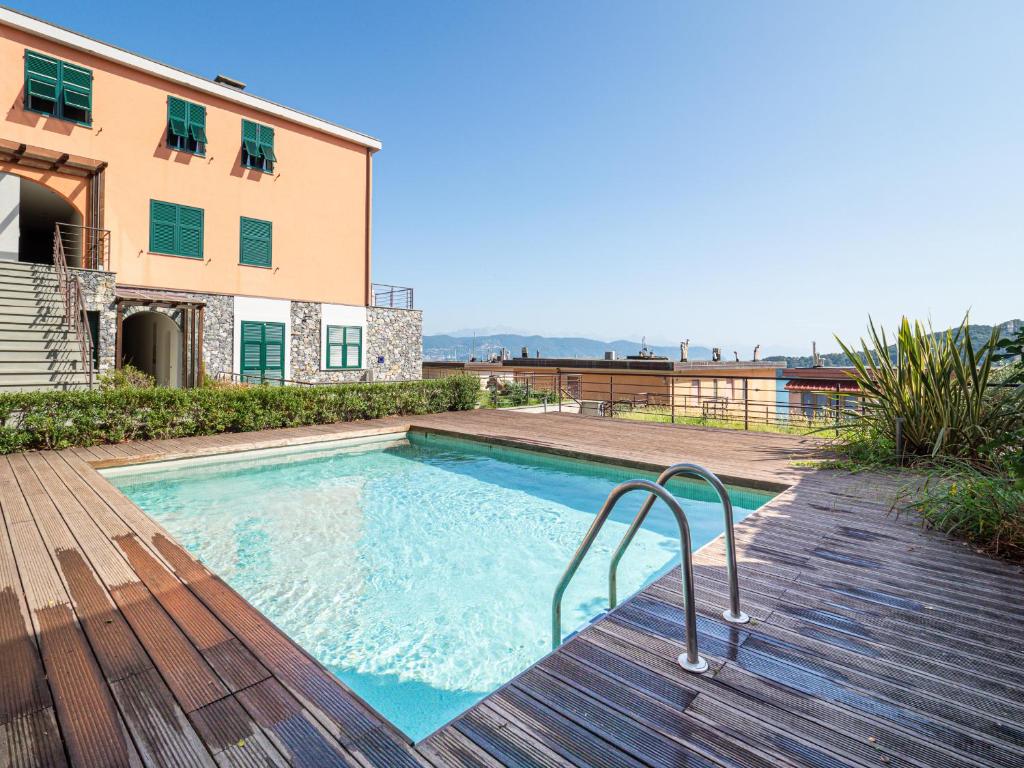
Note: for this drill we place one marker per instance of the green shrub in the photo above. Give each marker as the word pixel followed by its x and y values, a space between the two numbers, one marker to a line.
pixel 982 506
pixel 127 376
pixel 938 386
pixel 54 420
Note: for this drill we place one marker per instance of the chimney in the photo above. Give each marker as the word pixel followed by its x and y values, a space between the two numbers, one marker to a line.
pixel 684 351
pixel 609 354
pixel 524 352
pixel 736 355
pixel 716 354
pixel 230 82
pixel 757 353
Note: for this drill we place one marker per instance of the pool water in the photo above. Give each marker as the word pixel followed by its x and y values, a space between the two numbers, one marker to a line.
pixel 419 571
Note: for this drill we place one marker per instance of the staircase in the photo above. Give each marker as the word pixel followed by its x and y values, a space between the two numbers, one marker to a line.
pixel 38 349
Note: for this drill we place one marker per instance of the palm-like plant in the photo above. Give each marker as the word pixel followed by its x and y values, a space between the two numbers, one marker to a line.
pixel 937 386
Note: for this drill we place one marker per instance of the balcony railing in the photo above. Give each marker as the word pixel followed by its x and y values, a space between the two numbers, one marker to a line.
pixel 393 296
pixel 85 247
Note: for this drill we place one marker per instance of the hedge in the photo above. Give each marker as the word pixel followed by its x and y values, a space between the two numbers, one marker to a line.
pixel 53 420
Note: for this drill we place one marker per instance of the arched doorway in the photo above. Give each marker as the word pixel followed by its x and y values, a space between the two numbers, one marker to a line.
pixel 29 212
pixel 151 342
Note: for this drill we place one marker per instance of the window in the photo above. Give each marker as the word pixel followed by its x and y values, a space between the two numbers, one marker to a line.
pixel 186 126
pixel 255 242
pixel 258 146
pixel 176 230
pixel 344 346
pixel 54 87
pixel 262 352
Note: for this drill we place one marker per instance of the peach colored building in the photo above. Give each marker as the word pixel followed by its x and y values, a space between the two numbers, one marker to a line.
pixel 211 230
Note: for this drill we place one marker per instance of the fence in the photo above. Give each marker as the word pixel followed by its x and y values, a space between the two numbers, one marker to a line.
pixel 724 401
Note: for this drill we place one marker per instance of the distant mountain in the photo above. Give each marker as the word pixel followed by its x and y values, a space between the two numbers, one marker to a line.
pixel 445 347
pixel 979 335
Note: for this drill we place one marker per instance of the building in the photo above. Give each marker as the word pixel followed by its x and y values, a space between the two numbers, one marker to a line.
pixel 212 232
pixel 731 391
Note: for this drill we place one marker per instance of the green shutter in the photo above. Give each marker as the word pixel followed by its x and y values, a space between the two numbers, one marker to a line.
pixel 163 227
pixel 57 88
pixel 197 122
pixel 251 352
pixel 353 347
pixel 177 116
pixel 190 232
pixel 251 138
pixel 175 229
pixel 262 351
pixel 267 143
pixel 335 346
pixel 255 242
pixel 344 346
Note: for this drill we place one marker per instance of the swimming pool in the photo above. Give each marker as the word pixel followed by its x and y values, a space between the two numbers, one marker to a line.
pixel 419 568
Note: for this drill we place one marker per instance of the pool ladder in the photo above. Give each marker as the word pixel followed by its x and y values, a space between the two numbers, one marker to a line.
pixel 691 661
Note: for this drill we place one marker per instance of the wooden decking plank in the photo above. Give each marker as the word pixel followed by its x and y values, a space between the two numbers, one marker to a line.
pixel 291 729
pixel 23 688
pixel 162 733
pixel 32 741
pixel 826 679
pixel 495 734
pixel 850 726
pixel 450 749
pixel 235 665
pixel 190 678
pixel 561 734
pixel 598 697
pixel 805 739
pixel 232 736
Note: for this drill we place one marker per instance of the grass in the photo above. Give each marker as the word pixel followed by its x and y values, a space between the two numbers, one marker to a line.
pixel 794 427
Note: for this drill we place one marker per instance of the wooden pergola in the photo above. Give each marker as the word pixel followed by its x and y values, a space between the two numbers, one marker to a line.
pixel 192 314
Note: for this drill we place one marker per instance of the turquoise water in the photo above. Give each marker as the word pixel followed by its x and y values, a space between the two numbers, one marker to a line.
pixel 420 573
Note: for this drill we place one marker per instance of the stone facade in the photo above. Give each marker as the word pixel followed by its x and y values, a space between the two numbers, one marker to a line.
pixel 396 337
pixel 98 296
pixel 393 349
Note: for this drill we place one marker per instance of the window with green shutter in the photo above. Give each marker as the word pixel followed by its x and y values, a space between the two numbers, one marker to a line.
pixel 258 146
pixel 262 352
pixel 176 230
pixel 57 88
pixel 344 346
pixel 186 126
pixel 256 242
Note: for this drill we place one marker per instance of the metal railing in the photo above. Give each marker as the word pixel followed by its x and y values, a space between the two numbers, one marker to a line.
pixel 84 247
pixel 691 660
pixel 730 402
pixel 393 296
pixel 257 379
pixel 74 304
pixel 732 614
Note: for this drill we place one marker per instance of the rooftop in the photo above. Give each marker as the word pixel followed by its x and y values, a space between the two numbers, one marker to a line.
pixel 80 42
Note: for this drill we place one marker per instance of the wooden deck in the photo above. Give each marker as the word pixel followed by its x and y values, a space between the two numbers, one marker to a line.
pixel 873 643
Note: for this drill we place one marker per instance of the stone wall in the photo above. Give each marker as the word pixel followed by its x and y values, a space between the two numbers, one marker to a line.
pixel 393 349
pixel 394 345
pixel 98 296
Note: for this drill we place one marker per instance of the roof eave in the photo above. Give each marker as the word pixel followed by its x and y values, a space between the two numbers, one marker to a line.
pixel 80 42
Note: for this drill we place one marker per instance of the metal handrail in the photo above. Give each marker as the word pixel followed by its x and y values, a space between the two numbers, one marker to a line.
pixel 74 305
pixel 393 296
pixel 732 614
pixel 691 661
pixel 91 243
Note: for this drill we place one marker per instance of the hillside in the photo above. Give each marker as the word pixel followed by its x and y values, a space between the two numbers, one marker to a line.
pixel 979 335
pixel 444 347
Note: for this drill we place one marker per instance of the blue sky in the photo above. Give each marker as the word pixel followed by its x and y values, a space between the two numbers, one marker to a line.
pixel 734 173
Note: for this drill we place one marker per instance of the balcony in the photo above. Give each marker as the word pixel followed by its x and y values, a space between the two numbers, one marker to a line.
pixel 391 296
